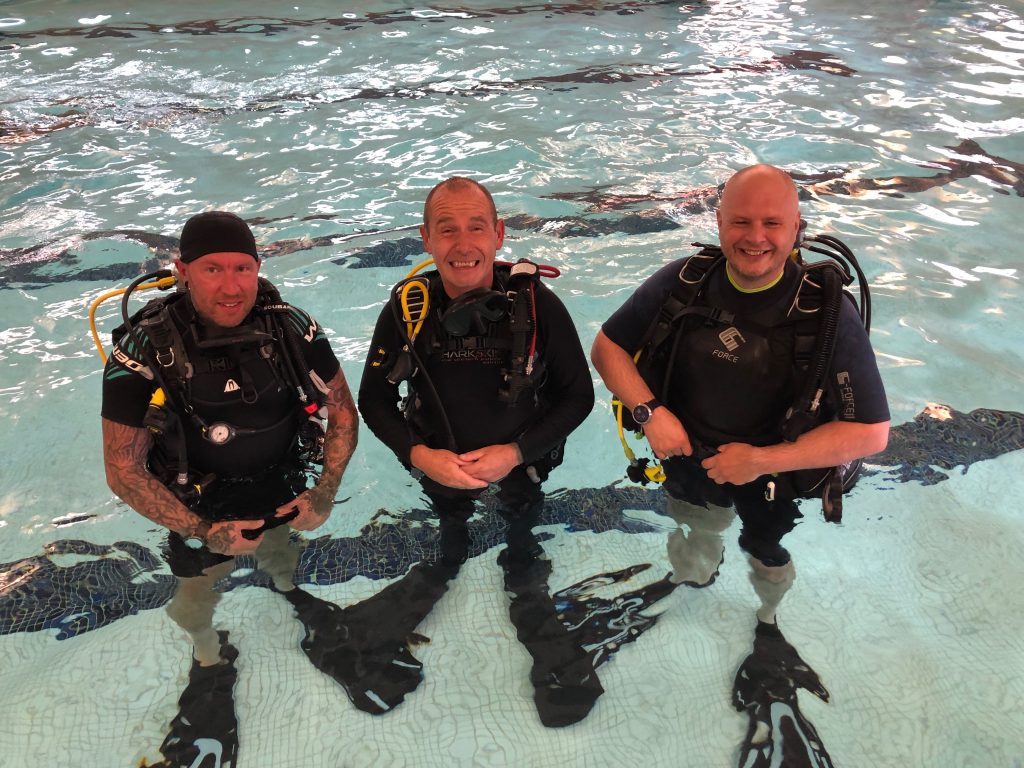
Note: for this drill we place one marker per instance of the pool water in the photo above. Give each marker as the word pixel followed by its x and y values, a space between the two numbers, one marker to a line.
pixel 603 130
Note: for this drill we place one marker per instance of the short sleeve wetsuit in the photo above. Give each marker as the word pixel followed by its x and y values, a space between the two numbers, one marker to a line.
pixel 238 384
pixel 735 385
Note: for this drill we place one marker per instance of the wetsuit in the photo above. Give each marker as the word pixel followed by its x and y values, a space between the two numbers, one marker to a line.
pixel 736 387
pixel 466 374
pixel 241 384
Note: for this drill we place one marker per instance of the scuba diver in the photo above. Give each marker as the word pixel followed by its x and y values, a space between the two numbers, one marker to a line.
pixel 713 357
pixel 495 379
pixel 220 403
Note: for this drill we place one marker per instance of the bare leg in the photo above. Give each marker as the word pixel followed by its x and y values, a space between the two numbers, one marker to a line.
pixel 279 557
pixel 192 608
pixel 771 583
pixel 695 557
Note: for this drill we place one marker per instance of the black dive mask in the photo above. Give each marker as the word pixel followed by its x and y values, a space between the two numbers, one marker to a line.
pixel 241 335
pixel 470 312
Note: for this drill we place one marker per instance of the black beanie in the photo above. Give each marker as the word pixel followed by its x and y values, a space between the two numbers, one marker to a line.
pixel 216 232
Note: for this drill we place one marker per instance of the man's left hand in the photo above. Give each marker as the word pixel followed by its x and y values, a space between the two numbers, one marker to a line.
pixel 735 463
pixel 492 462
pixel 314 509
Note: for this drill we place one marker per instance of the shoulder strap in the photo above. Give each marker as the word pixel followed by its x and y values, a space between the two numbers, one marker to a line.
pixel 819 294
pixel 280 316
pixel 521 372
pixel 681 302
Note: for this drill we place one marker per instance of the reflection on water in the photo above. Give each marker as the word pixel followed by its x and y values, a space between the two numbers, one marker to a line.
pixel 60 260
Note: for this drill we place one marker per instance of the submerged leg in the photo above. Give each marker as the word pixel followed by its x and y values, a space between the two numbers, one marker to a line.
pixel 454 533
pixel 278 555
pixel 766 520
pixel 565 681
pixel 192 609
pixel 520 504
pixel 566 685
pixel 771 583
pixel 696 557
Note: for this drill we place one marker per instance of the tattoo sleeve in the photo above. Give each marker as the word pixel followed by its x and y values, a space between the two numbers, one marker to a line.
pixel 342 435
pixel 124 456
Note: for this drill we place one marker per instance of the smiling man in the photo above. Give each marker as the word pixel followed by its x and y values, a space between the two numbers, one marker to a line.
pixel 496 381
pixel 728 329
pixel 496 373
pixel 221 405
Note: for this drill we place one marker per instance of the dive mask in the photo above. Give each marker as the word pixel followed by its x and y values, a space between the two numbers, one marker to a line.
pixel 470 312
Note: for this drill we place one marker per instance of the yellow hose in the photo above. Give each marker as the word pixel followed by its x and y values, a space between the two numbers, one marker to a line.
pixel 164 282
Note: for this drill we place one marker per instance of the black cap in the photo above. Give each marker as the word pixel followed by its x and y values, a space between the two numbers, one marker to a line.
pixel 216 232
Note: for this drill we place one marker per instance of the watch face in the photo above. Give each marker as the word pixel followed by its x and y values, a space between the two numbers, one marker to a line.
pixel 642 414
pixel 194 542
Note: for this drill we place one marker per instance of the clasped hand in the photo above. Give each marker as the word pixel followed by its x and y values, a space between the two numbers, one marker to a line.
pixel 228 537
pixel 735 463
pixel 313 507
pixel 473 469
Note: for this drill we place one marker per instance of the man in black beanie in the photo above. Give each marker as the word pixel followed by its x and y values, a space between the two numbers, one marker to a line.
pixel 220 404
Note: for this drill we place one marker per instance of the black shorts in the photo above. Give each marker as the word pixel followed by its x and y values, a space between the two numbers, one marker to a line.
pixel 765 520
pixel 231 499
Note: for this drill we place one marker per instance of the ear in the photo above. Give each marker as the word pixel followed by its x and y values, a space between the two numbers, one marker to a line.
pixel 425 237
pixel 182 268
pixel 499 230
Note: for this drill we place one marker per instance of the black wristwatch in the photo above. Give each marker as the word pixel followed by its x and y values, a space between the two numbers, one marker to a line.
pixel 196 538
pixel 643 412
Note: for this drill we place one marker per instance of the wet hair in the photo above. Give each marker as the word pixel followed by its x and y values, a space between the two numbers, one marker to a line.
pixel 454 184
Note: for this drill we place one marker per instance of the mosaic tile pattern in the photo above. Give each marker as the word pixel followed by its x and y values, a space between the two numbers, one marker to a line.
pixel 112 582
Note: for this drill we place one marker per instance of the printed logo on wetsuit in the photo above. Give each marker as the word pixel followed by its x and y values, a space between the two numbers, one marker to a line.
pixel 231 386
pixel 732 339
pixel 849 408
pixel 130 364
pixel 488 356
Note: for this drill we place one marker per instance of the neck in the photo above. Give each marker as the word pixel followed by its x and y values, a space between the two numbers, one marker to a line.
pixel 747 289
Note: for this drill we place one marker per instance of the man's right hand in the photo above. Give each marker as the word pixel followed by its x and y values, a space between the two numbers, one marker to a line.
pixel 443 467
pixel 226 538
pixel 666 435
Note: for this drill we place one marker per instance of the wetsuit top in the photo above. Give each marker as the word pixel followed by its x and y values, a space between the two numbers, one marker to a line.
pixel 467 382
pixel 234 384
pixel 734 382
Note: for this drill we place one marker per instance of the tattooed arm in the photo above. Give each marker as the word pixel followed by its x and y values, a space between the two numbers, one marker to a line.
pixel 124 456
pixel 315 504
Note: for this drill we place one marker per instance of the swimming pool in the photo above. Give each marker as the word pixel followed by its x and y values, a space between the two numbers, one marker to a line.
pixel 603 130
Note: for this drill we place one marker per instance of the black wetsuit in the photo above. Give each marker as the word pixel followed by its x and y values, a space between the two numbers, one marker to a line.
pixel 729 387
pixel 257 470
pixel 467 376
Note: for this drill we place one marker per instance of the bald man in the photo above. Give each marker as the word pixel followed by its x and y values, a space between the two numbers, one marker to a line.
pixel 732 373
